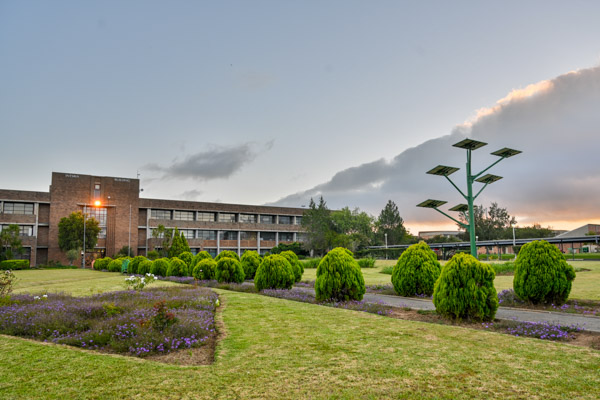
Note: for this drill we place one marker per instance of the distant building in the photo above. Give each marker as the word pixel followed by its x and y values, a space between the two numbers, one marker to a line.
pixel 126 219
pixel 581 231
pixel 430 234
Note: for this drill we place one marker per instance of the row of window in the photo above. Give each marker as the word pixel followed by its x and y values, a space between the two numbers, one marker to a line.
pixel 233 235
pixel 24 230
pixel 17 208
pixel 223 217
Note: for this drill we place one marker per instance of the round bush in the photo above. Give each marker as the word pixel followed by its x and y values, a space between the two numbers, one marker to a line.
pixel 295 263
pixel 541 274
pixel 160 266
pixel 250 261
pixel 416 271
pixel 205 269
pixel 102 263
pixel 153 255
pixel 229 270
pixel 115 265
pixel 144 267
pixel 177 267
pixel 227 253
pixel 186 257
pixel 465 289
pixel 132 268
pixel 274 272
pixel 339 277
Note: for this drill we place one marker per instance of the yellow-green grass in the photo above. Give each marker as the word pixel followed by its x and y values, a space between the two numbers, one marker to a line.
pixel 77 282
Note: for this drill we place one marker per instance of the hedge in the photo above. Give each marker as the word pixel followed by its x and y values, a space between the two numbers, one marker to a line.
pixel 339 277
pixel 11 265
pixel 274 272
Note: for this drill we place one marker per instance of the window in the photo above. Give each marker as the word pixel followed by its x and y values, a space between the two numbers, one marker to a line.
pixel 207 235
pixel 301 237
pixel 248 236
pixel 226 217
pixel 286 236
pixel 102 233
pixel 18 208
pixel 264 251
pixel 267 219
pixel 206 217
pixel 212 252
pixel 24 230
pixel 25 255
pixel 228 235
pixel 98 213
pixel 270 236
pixel 285 220
pixel 187 233
pixel 298 220
pixel 160 214
pixel 183 215
pixel 97 191
pixel 248 218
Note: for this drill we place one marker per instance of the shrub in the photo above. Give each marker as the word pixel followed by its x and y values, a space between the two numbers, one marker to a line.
pixel 11 265
pixel 186 257
pixel 153 255
pixel 465 289
pixel 7 280
pixel 541 274
pixel 115 265
pixel 144 267
pixel 205 269
pixel 482 256
pixel 102 263
pixel 177 267
pixel 493 256
pixel 160 266
pixel 311 263
pixel 227 253
pixel 250 261
pixel 416 271
pixel 133 265
pixel 507 256
pixel 229 270
pixel 339 277
pixel 274 272
pixel 295 263
pixel 199 257
pixel 366 262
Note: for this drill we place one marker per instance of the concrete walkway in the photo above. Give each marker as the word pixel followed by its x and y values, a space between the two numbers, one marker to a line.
pixel 589 323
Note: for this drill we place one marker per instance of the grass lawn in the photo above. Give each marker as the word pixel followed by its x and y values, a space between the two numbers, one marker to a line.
pixel 275 348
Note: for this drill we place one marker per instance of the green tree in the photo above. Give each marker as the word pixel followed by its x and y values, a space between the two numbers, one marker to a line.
pixel 534 231
pixel 354 229
pixel 166 234
pixel 179 244
pixel 391 223
pixel 490 224
pixel 317 222
pixel 70 232
pixel 10 242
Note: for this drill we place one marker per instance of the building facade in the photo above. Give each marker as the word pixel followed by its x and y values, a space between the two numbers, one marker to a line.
pixel 125 219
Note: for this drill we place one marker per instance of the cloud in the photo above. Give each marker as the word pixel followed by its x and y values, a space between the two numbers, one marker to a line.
pixel 556 123
pixel 191 194
pixel 216 163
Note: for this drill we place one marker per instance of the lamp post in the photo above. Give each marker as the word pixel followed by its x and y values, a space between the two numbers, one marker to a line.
pixel 386 253
pixel 469 145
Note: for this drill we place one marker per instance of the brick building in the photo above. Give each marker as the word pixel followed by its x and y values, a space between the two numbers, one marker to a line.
pixel 126 219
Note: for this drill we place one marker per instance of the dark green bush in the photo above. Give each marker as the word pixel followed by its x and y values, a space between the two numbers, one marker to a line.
pixel 274 272
pixel 295 263
pixel 153 255
pixel 311 263
pixel 465 289
pixel 177 267
pixel 160 266
pixel 493 256
pixel 11 265
pixel 102 263
pixel 229 270
pixel 366 262
pixel 227 253
pixel 205 269
pixel 541 274
pixel 144 267
pixel 416 271
pixel 339 277
pixel 115 265
pixel 199 257
pixel 508 256
pixel 482 256
pixel 250 261
pixel 133 265
pixel 186 257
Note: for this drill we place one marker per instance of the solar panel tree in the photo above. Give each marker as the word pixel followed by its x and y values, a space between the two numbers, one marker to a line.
pixel 442 170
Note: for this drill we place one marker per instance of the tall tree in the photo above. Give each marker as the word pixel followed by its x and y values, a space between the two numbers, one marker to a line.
pixel 354 228
pixel 317 222
pixel 391 223
pixel 70 232
pixel 492 223
pixel 10 242
pixel 166 234
pixel 179 245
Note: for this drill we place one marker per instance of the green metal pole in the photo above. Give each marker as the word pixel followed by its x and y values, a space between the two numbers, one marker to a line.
pixel 470 203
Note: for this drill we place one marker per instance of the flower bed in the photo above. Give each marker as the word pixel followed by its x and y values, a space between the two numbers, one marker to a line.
pixel 138 323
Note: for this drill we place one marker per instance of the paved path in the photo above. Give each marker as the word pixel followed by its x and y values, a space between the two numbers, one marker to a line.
pixel 589 323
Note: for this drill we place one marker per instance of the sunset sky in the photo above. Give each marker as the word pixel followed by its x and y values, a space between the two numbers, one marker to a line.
pixel 274 102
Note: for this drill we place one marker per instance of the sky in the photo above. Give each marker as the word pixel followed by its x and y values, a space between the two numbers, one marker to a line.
pixel 274 102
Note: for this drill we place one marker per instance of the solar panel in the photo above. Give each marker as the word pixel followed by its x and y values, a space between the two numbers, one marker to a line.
pixel 431 203
pixel 469 144
pixel 443 170
pixel 488 178
pixel 506 152
pixel 460 208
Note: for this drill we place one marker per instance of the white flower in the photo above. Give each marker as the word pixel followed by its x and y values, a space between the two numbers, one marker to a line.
pixel 45 296
pixel 36 297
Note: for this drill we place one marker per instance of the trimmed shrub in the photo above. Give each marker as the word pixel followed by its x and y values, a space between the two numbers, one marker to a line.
pixel 177 267
pixel 416 271
pixel 229 270
pixel 311 263
pixel 274 272
pixel 250 261
pixel 132 268
pixel 227 253
pixel 153 255
pixel 205 269
pixel 11 265
pixel 482 256
pixel 508 256
pixel 160 266
pixel 295 263
pixel 199 257
pixel 541 274
pixel 102 263
pixel 366 262
pixel 465 289
pixel 493 256
pixel 339 277
pixel 144 267
pixel 115 265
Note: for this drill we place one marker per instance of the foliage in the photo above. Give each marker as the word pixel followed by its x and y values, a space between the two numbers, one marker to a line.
pixel 339 277
pixel 177 267
pixel 227 253
pixel 102 263
pixel 125 251
pixel 250 261
pixel 162 318
pixel 443 239
pixel 72 255
pixel 506 268
pixel 10 242
pixel 7 280
pixel 166 236
pixel 391 223
pixel 153 255
pixel 11 265
pixel 316 220
pixel 229 270
pixel 352 229
pixel 115 265
pixel 179 244
pixel 144 267
pixel 199 257
pixel 274 272
pixel 465 289
pixel 416 271
pixel 368 262
pixel 133 265
pixel 160 266
pixel 206 269
pixel 139 282
pixel 296 247
pixel 187 258
pixel 297 267
pixel 311 262
pixel 70 232
pixel 541 274
pixel 489 224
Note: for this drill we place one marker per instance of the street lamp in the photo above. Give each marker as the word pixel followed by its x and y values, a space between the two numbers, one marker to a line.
pixel 386 253
pixel 442 170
